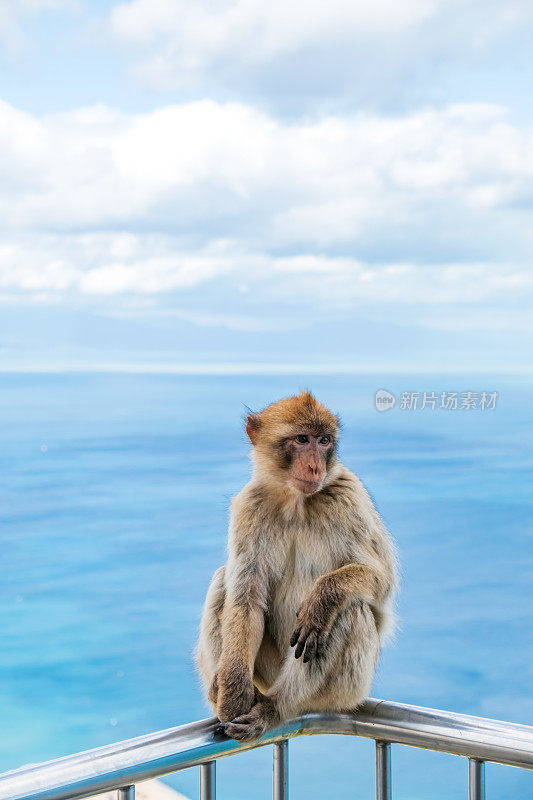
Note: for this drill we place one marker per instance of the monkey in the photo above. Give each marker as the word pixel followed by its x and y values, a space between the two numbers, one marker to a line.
pixel 294 621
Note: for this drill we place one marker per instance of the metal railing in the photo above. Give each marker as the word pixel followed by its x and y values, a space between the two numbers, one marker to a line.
pixel 120 766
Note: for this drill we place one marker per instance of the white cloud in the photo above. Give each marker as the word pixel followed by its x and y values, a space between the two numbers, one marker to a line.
pixel 105 264
pixel 210 170
pixel 377 53
pixel 212 211
pixel 119 273
pixel 183 39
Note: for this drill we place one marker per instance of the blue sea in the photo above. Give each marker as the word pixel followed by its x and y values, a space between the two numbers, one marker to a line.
pixel 113 504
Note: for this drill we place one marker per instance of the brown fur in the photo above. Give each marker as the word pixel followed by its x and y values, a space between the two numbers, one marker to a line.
pixel 310 566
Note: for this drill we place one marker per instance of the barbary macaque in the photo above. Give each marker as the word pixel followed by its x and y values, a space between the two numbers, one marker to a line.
pixel 294 621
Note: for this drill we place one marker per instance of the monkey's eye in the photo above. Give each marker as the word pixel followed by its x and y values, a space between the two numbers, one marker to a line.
pixel 302 438
pixel 325 439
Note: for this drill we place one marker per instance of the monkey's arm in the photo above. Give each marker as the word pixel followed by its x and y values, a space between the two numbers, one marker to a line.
pixel 371 583
pixel 242 628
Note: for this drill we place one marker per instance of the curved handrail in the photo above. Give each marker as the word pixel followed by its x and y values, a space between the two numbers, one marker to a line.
pixel 155 754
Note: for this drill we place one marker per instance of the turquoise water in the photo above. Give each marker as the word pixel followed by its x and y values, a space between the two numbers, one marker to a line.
pixel 113 503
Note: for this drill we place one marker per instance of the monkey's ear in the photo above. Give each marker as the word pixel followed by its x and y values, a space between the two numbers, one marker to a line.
pixel 252 427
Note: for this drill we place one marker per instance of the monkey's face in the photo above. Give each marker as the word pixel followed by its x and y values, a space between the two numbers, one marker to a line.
pixel 305 457
pixel 295 443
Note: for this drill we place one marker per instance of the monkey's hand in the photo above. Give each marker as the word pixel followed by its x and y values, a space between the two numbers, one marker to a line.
pixel 235 692
pixel 314 620
pixel 262 716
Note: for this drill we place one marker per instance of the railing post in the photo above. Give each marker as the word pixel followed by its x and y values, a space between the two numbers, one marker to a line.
pixel 476 779
pixel 383 771
pixel 126 793
pixel 208 774
pixel 280 771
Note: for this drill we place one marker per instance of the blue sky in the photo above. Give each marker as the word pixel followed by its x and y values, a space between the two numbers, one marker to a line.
pixel 283 185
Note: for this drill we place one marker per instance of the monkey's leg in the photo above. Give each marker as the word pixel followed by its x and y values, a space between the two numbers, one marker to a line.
pixel 268 663
pixel 209 645
pixel 242 629
pixel 350 676
pixel 341 676
pixel 338 680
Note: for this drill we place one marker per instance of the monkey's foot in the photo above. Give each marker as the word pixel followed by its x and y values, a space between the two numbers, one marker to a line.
pixel 252 725
pixel 235 693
